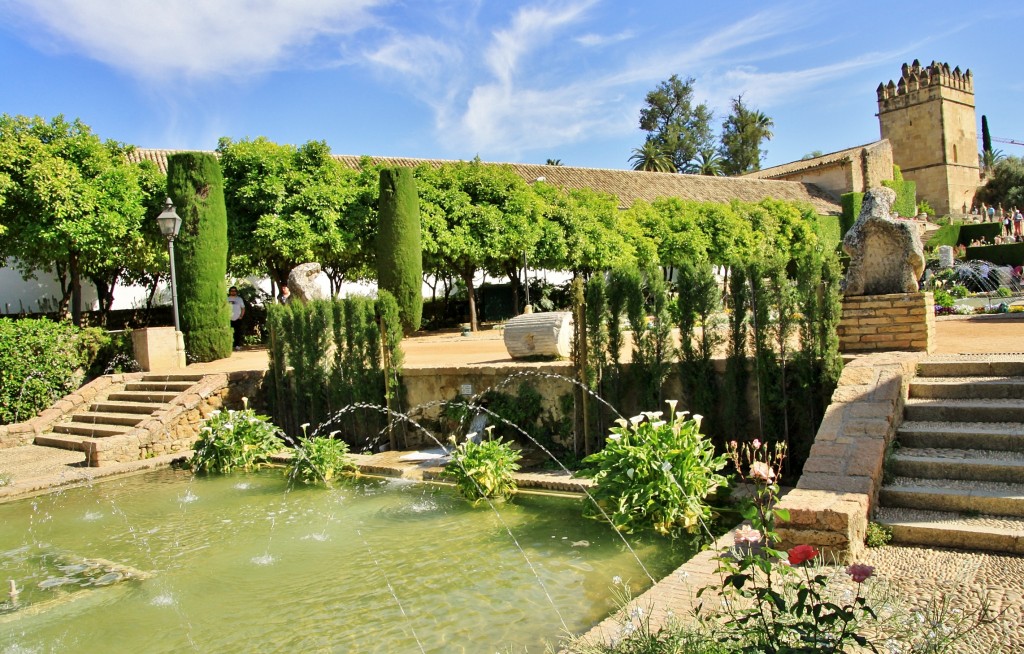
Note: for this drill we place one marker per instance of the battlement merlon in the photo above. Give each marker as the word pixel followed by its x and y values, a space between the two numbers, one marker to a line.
pixel 915 78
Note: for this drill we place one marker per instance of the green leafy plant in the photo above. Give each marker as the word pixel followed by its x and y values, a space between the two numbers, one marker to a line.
pixel 235 440
pixel 655 473
pixel 1003 291
pixel 878 535
pixel 40 362
pixel 958 291
pixel 320 460
pixel 943 298
pixel 483 470
pixel 770 607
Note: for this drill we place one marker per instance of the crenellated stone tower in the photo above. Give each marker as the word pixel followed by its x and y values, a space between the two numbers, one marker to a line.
pixel 928 117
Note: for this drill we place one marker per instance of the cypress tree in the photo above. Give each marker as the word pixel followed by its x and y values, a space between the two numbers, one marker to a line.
pixel 195 185
pixel 986 137
pixel 399 254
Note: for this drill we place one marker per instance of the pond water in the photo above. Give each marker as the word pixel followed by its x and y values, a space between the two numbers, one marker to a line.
pixel 168 562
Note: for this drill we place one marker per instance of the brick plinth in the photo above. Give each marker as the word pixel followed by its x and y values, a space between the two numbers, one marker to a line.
pixel 896 321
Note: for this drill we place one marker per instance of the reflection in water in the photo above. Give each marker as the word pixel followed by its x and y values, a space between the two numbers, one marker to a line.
pixel 367 566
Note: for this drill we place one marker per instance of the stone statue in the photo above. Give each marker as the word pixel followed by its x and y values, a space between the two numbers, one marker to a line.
pixel 885 254
pixel 302 282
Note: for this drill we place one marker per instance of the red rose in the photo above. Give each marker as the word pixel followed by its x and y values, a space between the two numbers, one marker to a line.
pixel 802 554
pixel 860 572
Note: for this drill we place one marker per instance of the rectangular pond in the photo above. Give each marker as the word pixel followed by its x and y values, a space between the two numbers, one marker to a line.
pixel 168 562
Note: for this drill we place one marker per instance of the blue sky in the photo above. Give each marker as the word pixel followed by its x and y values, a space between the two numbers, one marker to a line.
pixel 508 81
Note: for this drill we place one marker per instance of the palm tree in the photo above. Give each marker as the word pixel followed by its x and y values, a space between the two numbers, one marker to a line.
pixel 988 159
pixel 764 125
pixel 553 162
pixel 652 158
pixel 708 162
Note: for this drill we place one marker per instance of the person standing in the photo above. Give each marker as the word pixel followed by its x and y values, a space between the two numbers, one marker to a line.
pixel 285 296
pixel 237 313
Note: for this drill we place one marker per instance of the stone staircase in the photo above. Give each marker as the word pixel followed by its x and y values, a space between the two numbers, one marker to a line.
pixel 117 411
pixel 956 474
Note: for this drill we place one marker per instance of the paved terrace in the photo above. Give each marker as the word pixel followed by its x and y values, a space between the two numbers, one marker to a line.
pixel 915 574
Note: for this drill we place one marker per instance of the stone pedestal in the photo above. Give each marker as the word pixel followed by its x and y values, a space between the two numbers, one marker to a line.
pixel 158 348
pixel 895 321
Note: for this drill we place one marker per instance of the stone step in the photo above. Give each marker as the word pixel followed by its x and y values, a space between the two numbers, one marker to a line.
pixel 944 463
pixel 149 397
pixel 181 377
pixel 955 496
pixel 940 529
pixel 159 386
pixel 108 418
pixel 973 366
pixel 964 410
pixel 145 408
pixel 63 441
pixel 962 435
pixel 95 431
pixel 968 388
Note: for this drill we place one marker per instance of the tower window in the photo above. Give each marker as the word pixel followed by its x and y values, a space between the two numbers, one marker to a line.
pixel 955 158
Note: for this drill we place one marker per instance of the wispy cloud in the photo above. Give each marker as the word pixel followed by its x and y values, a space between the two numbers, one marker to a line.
pixel 597 40
pixel 157 39
pixel 530 27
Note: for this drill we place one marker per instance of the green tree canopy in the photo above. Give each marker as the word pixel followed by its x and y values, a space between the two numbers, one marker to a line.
pixel 70 203
pixel 475 217
pixel 289 205
pixel 679 128
pixel 588 233
pixel 1005 185
pixel 743 132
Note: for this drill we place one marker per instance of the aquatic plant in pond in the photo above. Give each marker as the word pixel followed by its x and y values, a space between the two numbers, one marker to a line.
pixel 235 440
pixel 483 470
pixel 320 459
pixel 656 473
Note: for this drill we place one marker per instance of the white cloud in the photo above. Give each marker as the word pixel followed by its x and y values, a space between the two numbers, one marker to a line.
pixel 530 27
pixel 417 56
pixel 156 39
pixel 597 40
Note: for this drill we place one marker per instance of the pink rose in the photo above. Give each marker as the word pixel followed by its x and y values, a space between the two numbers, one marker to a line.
pixel 745 534
pixel 860 571
pixel 762 471
pixel 801 554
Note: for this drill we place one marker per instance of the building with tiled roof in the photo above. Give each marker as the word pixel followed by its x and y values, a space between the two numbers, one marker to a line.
pixel 853 169
pixel 627 185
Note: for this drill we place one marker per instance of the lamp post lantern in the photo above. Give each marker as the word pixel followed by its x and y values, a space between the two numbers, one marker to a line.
pixel 170 223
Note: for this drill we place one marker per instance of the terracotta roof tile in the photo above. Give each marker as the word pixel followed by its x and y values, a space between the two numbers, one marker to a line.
pixel 628 185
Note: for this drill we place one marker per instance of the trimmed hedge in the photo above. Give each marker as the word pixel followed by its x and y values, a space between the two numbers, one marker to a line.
pixel 851 209
pixel 1008 254
pixel 399 253
pixel 196 186
pixel 906 193
pixel 985 231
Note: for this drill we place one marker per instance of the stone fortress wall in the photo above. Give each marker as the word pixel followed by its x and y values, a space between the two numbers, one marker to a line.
pixel 928 116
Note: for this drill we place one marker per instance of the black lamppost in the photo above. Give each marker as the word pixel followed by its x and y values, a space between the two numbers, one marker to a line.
pixel 170 223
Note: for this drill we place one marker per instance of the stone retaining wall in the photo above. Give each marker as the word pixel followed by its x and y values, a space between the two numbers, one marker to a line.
pixel 23 433
pixel 830 505
pixel 896 321
pixel 176 428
